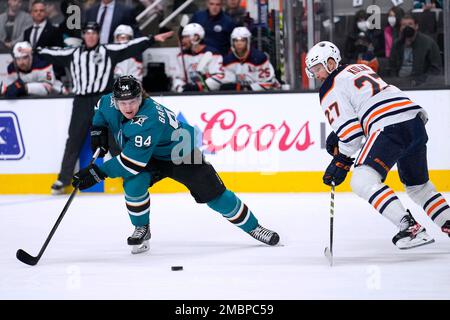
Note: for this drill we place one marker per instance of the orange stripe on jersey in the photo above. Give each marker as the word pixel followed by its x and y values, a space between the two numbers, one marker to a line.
pixel 434 206
pixel 383 110
pixel 367 147
pixel 389 192
pixel 352 128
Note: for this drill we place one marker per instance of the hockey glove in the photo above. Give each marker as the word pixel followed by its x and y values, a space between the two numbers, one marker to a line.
pixel 99 139
pixel 332 144
pixel 16 89
pixel 337 170
pixel 191 87
pixel 87 177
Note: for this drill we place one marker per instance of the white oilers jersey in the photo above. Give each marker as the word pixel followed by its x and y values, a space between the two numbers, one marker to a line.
pixel 357 103
pixel 130 67
pixel 213 73
pixel 255 71
pixel 37 79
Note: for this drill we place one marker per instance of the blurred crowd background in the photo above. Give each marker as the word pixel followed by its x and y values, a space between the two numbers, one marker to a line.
pixel 226 45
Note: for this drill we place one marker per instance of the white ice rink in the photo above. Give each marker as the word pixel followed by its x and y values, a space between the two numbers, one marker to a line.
pixel 88 257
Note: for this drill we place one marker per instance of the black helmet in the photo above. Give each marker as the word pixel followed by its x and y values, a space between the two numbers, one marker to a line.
pixel 126 87
pixel 91 25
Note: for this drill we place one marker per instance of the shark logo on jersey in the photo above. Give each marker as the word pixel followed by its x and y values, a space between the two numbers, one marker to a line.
pixel 139 120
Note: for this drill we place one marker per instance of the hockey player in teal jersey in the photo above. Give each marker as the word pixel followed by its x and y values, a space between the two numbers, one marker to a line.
pixel 155 146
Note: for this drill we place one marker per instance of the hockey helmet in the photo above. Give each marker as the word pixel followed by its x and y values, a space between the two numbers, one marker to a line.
pixel 126 88
pixel 91 25
pixel 123 29
pixel 192 29
pixel 320 53
pixel 240 33
pixel 19 46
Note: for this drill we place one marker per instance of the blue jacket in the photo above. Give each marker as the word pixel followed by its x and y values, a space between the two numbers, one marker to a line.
pixel 217 29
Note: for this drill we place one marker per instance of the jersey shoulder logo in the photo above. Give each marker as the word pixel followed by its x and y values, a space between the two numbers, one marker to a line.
pixel 139 120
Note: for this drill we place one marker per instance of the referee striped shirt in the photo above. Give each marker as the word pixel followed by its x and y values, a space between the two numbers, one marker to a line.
pixel 92 69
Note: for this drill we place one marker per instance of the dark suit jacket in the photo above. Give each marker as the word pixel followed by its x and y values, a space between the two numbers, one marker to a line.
pixel 426 56
pixel 50 36
pixel 121 15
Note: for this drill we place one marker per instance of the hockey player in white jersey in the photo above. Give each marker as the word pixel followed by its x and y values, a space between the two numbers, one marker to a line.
pixel 387 128
pixel 28 75
pixel 195 53
pixel 133 66
pixel 247 68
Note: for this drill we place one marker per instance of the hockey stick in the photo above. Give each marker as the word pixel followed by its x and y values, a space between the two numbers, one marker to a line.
pixel 329 250
pixel 29 259
pixel 201 66
pixel 184 21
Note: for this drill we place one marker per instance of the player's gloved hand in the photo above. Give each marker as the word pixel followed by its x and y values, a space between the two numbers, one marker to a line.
pixel 99 139
pixel 332 144
pixel 16 89
pixel 337 170
pixel 191 87
pixel 87 177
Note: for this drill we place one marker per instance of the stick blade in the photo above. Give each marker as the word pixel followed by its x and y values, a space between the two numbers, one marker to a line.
pixel 329 255
pixel 204 61
pixel 184 20
pixel 26 258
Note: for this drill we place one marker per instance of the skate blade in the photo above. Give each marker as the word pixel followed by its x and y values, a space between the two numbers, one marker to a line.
pixel 329 255
pixel 419 244
pixel 140 248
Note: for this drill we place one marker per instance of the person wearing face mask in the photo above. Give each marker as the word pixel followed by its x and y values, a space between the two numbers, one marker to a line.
pixel 364 43
pixel 414 56
pixel 392 30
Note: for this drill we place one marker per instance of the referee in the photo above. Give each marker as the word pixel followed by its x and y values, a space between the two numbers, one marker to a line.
pixel 91 67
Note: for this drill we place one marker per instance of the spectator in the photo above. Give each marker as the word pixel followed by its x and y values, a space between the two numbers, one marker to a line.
pixel 236 12
pixel 71 36
pixel 109 14
pixel 392 30
pixel 414 55
pixel 28 75
pixel 217 24
pixel 42 33
pixel 427 4
pixel 12 24
pixel 132 66
pixel 194 54
pixel 363 41
pixel 54 14
pixel 247 68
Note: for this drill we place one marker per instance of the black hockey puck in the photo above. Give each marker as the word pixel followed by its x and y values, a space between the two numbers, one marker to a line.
pixel 177 268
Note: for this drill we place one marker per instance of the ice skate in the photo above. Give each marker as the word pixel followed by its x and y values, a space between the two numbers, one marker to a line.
pixel 414 235
pixel 446 228
pixel 57 188
pixel 265 235
pixel 139 239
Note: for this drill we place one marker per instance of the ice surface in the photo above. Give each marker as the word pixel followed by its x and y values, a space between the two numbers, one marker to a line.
pixel 88 258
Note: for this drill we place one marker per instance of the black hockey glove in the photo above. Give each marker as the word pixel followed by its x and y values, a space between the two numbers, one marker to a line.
pixel 99 139
pixel 16 89
pixel 87 177
pixel 337 170
pixel 191 87
pixel 332 144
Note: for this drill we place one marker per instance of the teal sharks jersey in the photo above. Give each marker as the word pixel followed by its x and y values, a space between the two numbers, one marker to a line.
pixel 153 132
